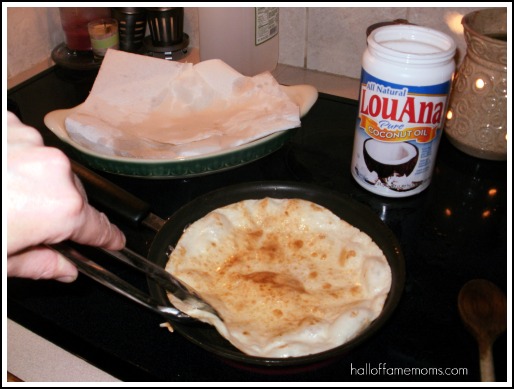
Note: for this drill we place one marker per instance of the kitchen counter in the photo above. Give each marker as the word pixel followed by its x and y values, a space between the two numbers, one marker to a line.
pixel 454 231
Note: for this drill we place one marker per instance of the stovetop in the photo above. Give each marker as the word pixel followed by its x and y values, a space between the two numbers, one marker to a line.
pixel 425 334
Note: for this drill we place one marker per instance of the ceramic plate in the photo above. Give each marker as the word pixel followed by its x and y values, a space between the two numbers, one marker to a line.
pixel 303 95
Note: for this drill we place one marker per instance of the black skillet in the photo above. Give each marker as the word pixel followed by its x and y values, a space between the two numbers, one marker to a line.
pixel 110 197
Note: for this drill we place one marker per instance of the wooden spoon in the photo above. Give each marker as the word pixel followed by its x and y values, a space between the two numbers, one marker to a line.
pixel 483 309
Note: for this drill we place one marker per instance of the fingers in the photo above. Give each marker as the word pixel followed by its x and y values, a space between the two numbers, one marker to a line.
pixel 41 263
pixel 95 229
pixel 47 204
pixel 21 134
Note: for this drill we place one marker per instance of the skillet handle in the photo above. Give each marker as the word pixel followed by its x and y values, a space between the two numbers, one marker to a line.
pixel 111 197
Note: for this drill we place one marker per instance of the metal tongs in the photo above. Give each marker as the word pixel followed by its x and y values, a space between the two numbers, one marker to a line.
pixel 160 276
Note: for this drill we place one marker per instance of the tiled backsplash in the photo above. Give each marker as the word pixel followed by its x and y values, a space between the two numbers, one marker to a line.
pixel 333 40
pixel 325 39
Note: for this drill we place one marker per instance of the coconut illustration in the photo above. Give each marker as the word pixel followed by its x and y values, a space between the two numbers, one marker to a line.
pixel 390 159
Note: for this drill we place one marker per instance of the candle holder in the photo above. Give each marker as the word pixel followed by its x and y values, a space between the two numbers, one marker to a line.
pixel 477 117
pixel 104 35
pixel 76 52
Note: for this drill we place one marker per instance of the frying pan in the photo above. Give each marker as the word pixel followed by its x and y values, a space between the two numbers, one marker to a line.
pixel 107 195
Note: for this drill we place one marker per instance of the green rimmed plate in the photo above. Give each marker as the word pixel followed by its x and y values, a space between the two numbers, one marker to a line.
pixel 303 95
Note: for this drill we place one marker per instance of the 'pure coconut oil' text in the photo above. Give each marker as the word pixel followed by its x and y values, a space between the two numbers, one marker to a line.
pixel 405 82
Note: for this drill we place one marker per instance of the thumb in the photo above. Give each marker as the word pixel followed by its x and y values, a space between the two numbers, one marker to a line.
pixel 41 263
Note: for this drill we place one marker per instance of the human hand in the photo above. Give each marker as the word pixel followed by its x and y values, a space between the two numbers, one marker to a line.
pixel 47 204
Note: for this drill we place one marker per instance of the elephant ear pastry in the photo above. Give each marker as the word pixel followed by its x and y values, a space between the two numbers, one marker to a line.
pixel 288 277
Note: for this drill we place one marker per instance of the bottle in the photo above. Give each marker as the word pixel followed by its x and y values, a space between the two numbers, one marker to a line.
pixel 405 83
pixel 245 38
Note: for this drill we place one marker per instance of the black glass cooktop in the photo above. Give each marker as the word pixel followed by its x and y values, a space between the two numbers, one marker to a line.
pixel 454 231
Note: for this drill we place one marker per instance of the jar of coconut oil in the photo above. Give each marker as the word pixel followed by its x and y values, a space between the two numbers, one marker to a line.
pixel 405 82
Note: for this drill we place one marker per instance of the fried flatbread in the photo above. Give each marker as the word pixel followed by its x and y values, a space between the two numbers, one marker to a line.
pixel 288 277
